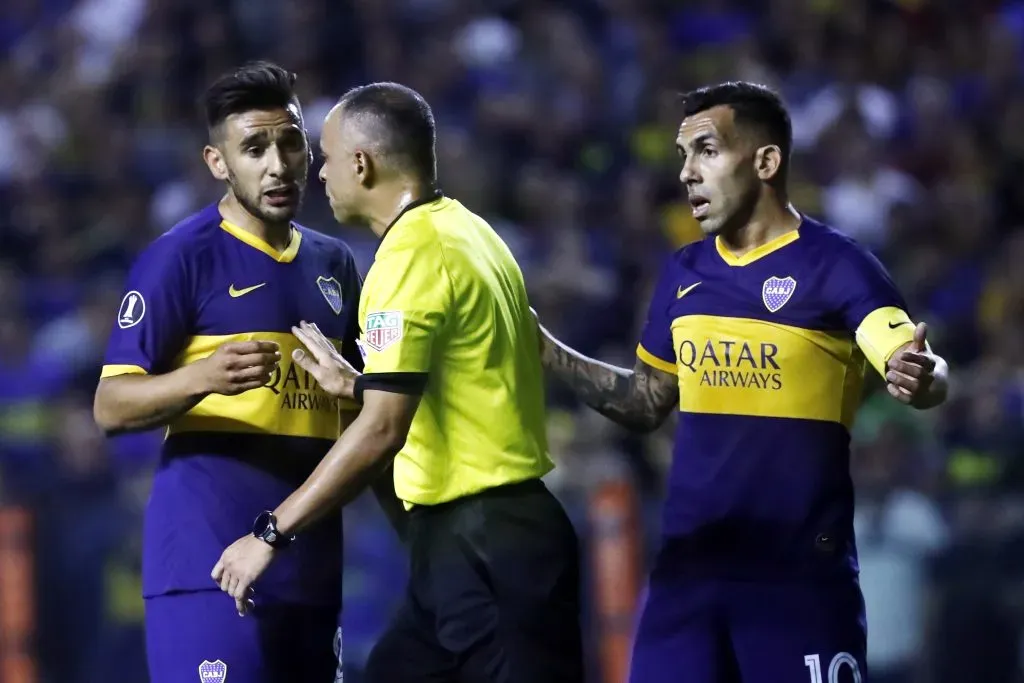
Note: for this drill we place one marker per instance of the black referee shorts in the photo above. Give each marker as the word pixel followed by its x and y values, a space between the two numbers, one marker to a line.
pixel 493 596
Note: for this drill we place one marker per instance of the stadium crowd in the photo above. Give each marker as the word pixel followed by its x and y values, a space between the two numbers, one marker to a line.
pixel 556 122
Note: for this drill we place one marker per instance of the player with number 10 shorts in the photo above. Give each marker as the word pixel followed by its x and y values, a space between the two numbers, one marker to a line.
pixel 758 337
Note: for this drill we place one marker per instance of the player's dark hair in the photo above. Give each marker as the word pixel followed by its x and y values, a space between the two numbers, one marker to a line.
pixel 254 86
pixel 754 106
pixel 402 123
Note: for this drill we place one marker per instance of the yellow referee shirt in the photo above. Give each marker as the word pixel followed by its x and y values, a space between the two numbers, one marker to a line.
pixel 444 312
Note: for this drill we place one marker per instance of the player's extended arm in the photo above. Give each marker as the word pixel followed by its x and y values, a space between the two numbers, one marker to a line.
pixel 135 402
pixel 356 460
pixel 639 399
pixel 139 402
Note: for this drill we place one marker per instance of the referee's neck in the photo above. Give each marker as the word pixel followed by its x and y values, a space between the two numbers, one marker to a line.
pixel 387 207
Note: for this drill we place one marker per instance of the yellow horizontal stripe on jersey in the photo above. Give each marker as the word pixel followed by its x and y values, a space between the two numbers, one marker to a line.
pixel 741 366
pixel 290 404
pixel 882 332
pixel 117 370
pixel 655 362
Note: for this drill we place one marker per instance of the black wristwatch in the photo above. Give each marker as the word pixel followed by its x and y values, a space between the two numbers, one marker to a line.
pixel 265 529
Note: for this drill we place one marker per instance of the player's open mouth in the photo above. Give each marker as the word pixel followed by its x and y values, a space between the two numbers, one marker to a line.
pixel 282 196
pixel 699 206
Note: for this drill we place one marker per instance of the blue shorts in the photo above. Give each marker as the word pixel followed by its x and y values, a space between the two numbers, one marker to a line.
pixel 198 637
pixel 718 631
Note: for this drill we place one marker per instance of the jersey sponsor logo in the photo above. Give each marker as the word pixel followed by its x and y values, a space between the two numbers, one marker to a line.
pixel 299 390
pixel 331 289
pixel 680 292
pixel 383 329
pixel 132 310
pixel 213 672
pixel 235 293
pixel 776 291
pixel 732 363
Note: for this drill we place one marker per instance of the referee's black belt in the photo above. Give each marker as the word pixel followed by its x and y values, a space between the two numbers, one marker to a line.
pixel 513 490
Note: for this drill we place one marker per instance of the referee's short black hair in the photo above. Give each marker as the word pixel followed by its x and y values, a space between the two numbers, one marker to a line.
pixel 401 124
pixel 754 106
pixel 253 86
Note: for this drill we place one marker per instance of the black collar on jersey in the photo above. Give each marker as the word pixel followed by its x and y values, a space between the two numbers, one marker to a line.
pixel 432 197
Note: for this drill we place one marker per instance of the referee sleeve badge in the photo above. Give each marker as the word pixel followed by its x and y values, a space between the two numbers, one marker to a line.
pixel 383 329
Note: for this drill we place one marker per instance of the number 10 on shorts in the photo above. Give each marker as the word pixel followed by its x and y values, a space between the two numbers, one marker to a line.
pixel 841 660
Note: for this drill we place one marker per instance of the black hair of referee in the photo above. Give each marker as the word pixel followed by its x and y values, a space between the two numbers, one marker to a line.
pixel 259 147
pixel 378 146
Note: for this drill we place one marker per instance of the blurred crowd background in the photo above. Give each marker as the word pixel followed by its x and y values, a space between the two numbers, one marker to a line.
pixel 556 122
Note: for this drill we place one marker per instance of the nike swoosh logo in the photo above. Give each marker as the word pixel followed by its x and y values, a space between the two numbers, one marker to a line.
pixel 235 293
pixel 893 326
pixel 680 293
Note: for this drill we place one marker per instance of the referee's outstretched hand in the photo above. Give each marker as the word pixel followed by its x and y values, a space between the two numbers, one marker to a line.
pixel 236 367
pixel 324 362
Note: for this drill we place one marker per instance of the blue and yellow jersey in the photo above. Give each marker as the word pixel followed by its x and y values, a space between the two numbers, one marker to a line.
pixel 444 312
pixel 770 349
pixel 202 284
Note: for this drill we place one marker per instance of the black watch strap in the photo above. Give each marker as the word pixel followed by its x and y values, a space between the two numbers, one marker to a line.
pixel 265 529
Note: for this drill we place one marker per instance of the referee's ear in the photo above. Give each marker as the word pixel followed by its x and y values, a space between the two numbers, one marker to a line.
pixel 365 168
pixel 215 162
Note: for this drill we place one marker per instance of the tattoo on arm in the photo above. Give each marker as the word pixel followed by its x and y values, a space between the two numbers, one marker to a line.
pixel 639 399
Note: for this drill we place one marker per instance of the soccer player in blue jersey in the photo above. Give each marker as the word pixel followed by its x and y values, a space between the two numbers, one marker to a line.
pixel 202 345
pixel 759 335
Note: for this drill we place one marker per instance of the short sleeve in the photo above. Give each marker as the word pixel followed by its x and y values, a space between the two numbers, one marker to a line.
pixel 655 347
pixel 871 306
pixel 154 316
pixel 405 304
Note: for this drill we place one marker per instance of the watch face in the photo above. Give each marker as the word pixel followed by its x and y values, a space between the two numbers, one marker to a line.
pixel 261 524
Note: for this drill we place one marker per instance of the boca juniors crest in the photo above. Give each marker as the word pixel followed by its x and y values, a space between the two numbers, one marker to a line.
pixel 331 289
pixel 213 672
pixel 383 329
pixel 776 291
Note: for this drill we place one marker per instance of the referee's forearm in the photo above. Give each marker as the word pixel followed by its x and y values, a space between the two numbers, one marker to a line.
pixel 352 464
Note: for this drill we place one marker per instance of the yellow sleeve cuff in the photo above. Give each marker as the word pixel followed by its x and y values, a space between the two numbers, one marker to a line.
pixel 882 332
pixel 115 370
pixel 655 362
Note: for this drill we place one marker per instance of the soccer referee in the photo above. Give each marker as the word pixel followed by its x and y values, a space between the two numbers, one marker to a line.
pixel 453 393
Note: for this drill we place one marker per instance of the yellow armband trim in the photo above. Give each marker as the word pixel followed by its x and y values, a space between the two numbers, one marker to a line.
pixel 882 332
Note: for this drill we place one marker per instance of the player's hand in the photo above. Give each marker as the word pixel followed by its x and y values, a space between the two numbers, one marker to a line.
pixel 911 377
pixel 322 360
pixel 239 566
pixel 236 367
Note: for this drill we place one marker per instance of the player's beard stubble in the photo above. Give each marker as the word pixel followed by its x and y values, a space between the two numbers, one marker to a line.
pixel 252 202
